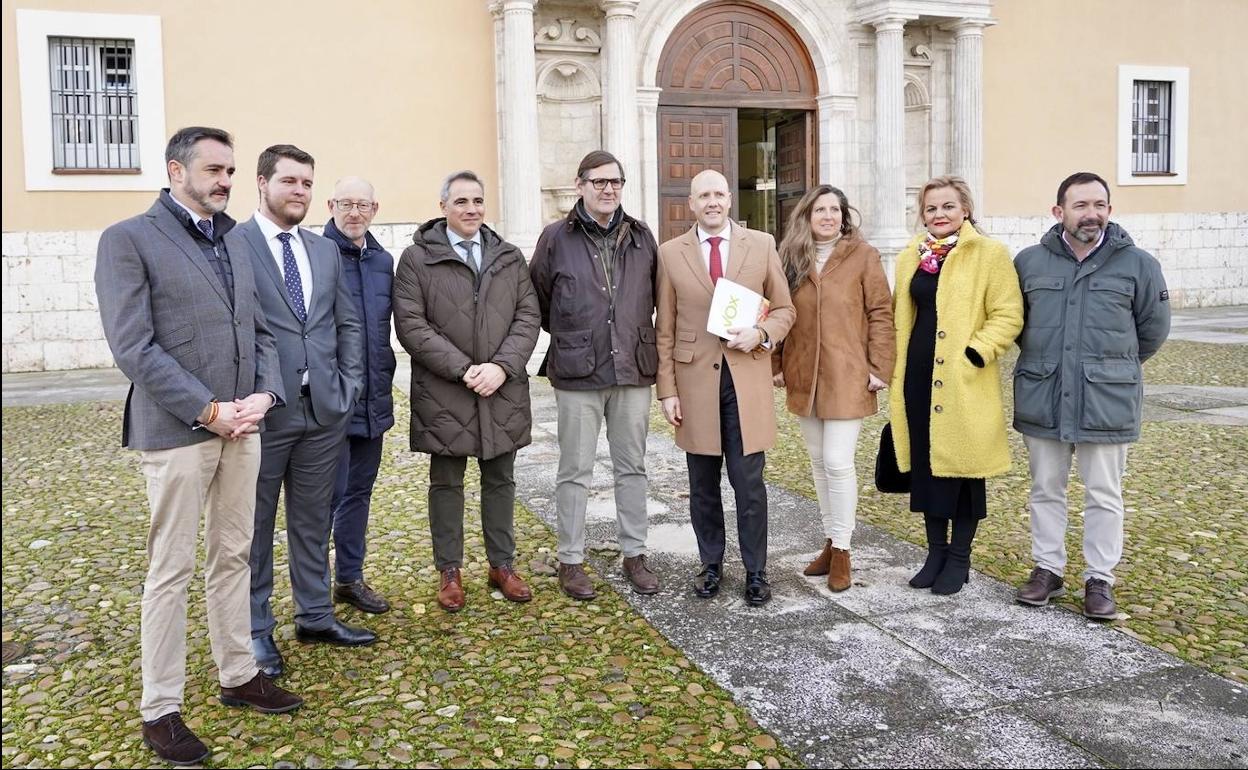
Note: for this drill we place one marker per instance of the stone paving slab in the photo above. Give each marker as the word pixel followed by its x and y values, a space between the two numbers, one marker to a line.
pixel 986 739
pixel 1179 717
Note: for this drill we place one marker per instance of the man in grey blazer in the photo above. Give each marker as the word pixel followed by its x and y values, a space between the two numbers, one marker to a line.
pixel 184 323
pixel 309 308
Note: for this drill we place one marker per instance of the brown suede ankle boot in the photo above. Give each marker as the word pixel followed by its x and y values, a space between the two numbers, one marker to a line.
pixel 838 571
pixel 821 563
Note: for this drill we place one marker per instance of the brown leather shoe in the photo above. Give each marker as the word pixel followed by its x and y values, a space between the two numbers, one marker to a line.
pixel 1039 588
pixel 644 581
pixel 574 581
pixel 1098 600
pixel 822 562
pixel 173 741
pixel 505 579
pixel 838 571
pixel 262 695
pixel 451 590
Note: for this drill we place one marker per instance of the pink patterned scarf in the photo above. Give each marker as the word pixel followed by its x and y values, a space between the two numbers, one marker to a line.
pixel 932 252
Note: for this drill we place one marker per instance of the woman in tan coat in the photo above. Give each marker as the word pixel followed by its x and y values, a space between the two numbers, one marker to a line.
pixel 838 354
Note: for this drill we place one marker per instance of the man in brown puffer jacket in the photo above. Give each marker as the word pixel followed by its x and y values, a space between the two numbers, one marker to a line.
pixel 465 310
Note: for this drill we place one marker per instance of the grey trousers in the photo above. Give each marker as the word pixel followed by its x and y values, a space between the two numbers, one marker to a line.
pixel 304 459
pixel 626 410
pixel 1100 467
pixel 446 508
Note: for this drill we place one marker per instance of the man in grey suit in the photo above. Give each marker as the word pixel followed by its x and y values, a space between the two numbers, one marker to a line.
pixel 309 308
pixel 182 318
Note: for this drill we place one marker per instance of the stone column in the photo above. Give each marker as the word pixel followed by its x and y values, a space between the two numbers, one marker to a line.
pixel 889 232
pixel 648 107
pixel 521 172
pixel 619 94
pixel 968 105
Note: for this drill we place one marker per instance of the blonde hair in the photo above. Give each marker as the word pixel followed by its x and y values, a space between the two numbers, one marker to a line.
pixel 959 186
pixel 797 248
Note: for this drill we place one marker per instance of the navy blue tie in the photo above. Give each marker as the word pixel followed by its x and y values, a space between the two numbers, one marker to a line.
pixel 205 227
pixel 294 284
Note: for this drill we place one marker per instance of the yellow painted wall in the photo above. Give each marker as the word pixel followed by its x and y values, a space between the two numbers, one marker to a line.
pixel 373 84
pixel 1051 91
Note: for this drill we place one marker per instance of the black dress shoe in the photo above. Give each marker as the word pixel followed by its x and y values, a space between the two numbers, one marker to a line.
pixel 757 589
pixel 268 657
pixel 706 584
pixel 339 633
pixel 361 596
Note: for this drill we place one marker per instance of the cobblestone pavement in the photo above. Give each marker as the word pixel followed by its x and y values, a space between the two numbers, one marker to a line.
pixel 880 675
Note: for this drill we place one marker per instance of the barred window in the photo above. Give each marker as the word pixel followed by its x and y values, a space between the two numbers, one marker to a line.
pixel 94 99
pixel 1151 127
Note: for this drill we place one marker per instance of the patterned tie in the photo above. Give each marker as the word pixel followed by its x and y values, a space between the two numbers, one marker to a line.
pixel 205 227
pixel 294 284
pixel 717 265
pixel 471 259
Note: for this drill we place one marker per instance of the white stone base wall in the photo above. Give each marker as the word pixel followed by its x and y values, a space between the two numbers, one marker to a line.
pixel 50 317
pixel 51 320
pixel 1203 256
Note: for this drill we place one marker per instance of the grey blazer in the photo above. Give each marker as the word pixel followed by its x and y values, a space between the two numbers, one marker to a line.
pixel 330 345
pixel 172 331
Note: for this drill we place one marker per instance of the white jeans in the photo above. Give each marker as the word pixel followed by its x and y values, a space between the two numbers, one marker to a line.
pixel 1100 467
pixel 831 444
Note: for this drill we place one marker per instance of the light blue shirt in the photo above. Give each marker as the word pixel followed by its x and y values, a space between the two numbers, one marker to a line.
pixel 456 239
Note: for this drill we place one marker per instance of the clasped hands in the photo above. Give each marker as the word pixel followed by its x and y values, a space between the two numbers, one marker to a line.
pixel 239 417
pixel 485 378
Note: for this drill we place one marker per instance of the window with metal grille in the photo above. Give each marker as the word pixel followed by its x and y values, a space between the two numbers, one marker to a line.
pixel 1151 127
pixel 94 98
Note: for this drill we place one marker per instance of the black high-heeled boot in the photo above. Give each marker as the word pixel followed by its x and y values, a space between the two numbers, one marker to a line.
pixel 937 549
pixel 957 570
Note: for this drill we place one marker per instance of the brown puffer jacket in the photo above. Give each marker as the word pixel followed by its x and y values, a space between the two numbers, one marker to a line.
pixel 448 319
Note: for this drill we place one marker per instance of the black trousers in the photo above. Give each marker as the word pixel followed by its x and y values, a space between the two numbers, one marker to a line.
pixel 745 473
pixel 446 508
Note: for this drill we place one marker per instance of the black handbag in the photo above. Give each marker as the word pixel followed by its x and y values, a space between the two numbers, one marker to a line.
pixel 888 478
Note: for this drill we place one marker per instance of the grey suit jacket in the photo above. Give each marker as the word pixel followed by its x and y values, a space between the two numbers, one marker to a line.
pixel 329 346
pixel 172 331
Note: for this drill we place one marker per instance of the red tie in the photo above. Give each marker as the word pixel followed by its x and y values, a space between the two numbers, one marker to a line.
pixel 717 266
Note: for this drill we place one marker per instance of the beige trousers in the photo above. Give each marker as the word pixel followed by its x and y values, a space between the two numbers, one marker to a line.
pixel 217 477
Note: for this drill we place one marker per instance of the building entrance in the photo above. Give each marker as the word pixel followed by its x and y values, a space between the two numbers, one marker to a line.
pixel 738 97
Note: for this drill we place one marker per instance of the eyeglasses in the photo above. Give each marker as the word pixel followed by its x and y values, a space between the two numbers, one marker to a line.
pixel 601 184
pixel 365 207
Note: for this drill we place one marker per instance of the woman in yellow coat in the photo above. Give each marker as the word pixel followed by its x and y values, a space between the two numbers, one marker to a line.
pixel 957 308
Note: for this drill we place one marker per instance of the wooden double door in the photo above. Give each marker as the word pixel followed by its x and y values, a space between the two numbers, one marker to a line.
pixel 767 173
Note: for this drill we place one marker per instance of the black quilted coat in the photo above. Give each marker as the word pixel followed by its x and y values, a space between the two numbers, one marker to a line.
pixel 449 318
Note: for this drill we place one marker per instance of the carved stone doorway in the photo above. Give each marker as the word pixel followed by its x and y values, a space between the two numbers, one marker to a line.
pixel 738 97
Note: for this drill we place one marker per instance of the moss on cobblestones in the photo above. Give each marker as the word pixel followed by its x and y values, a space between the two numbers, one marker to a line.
pixel 552 683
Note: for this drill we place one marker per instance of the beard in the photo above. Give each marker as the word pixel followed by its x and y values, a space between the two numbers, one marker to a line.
pixel 282 211
pixel 204 197
pixel 1087 230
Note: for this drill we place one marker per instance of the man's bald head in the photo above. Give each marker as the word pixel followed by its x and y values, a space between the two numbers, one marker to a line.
pixel 353 207
pixel 354 188
pixel 710 200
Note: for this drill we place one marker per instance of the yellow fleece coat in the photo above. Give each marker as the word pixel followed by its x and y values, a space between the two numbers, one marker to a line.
pixel 978 305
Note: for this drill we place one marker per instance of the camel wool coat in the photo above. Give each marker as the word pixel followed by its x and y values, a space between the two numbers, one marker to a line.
pixel 690 357
pixel 843 333
pixel 978 306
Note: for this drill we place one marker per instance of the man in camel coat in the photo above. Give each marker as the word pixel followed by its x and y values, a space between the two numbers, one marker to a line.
pixel 716 392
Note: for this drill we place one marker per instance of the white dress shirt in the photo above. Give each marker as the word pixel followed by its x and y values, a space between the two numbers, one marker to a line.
pixel 270 231
pixel 703 235
pixel 456 239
